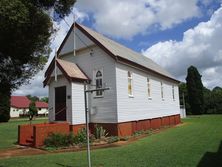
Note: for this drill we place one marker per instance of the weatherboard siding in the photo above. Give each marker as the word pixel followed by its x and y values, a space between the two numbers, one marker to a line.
pixel 78 105
pixel 140 106
pixel 104 109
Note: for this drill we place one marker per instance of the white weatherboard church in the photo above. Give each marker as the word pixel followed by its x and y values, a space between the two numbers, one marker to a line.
pixel 143 95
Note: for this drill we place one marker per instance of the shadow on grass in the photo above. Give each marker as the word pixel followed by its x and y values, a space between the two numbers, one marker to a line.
pixel 62 165
pixel 211 159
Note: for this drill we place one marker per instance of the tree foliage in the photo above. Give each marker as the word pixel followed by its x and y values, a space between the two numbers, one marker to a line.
pixel 32 98
pixel 32 110
pixel 25 33
pixel 184 94
pixel 45 99
pixel 195 91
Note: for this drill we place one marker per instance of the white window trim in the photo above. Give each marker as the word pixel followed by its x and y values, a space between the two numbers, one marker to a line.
pixel 132 93
pixel 173 92
pixel 148 88
pixel 162 90
pixel 94 81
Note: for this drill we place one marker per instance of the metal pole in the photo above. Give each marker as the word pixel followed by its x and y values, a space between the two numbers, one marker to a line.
pixel 87 126
pixel 74 35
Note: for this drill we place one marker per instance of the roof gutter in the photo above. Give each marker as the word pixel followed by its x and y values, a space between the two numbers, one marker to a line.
pixel 142 68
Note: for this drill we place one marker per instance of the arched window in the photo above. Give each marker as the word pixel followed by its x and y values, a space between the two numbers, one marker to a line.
pixel 99 82
pixel 130 84
pixel 162 96
pixel 173 92
pixel 148 87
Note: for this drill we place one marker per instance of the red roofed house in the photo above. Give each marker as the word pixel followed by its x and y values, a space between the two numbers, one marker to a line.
pixel 19 106
pixel 42 108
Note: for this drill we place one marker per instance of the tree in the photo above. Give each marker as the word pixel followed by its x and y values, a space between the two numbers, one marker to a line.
pixel 217 99
pixel 183 94
pixel 32 110
pixel 25 33
pixel 33 98
pixel 45 99
pixel 195 90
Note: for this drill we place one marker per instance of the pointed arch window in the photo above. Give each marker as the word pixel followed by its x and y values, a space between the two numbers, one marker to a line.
pixel 162 89
pixel 148 88
pixel 173 92
pixel 130 83
pixel 99 82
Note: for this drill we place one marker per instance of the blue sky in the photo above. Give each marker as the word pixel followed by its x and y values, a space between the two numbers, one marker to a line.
pixel 174 33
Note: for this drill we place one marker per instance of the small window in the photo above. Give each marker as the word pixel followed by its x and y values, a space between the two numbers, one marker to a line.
pixel 173 92
pixel 162 96
pixel 99 81
pixel 130 85
pixel 148 87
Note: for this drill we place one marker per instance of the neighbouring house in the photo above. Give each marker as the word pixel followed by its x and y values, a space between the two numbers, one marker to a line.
pixel 20 106
pixel 142 94
pixel 141 90
pixel 42 108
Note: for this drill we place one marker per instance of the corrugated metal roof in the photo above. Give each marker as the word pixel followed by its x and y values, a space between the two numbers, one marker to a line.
pixel 41 104
pixel 71 69
pixel 20 101
pixel 121 51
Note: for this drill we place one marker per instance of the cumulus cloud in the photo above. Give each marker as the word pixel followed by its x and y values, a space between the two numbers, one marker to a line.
pixel 127 18
pixel 201 47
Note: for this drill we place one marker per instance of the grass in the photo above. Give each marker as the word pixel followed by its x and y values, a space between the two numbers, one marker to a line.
pixel 9 131
pixel 195 143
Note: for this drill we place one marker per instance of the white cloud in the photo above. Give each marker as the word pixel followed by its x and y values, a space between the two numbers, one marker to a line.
pixel 36 84
pixel 127 18
pixel 201 47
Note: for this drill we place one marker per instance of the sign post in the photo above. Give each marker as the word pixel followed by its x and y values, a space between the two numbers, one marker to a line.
pixel 86 91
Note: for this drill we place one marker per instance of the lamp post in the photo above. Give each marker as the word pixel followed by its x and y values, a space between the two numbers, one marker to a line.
pixel 86 91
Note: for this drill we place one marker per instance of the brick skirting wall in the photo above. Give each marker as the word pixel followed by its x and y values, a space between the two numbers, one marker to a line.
pixel 128 128
pixel 35 134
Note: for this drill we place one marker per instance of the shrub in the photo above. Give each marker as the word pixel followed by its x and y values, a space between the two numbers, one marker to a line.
pixel 81 136
pixel 113 139
pixel 100 132
pixel 59 140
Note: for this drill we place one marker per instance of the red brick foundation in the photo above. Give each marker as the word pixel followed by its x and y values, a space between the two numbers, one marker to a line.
pixel 75 128
pixel 128 128
pixel 41 131
pixel 25 133
pixel 34 135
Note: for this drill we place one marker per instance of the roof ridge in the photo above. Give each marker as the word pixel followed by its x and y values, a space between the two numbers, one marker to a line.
pixel 126 53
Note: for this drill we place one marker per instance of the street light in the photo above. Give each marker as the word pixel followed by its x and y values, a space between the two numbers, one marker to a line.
pixel 87 117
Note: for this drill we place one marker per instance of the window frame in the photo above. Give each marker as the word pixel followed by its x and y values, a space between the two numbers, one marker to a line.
pixel 130 78
pixel 162 90
pixel 95 81
pixel 173 92
pixel 148 88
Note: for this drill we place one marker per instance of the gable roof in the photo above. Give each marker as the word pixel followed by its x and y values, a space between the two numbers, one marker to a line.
pixel 20 102
pixel 41 104
pixel 70 70
pixel 119 53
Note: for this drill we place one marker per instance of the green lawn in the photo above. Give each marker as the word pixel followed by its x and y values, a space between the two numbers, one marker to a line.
pixel 9 131
pixel 196 143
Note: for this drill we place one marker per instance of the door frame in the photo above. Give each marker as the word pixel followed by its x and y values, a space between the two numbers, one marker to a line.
pixel 60 103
